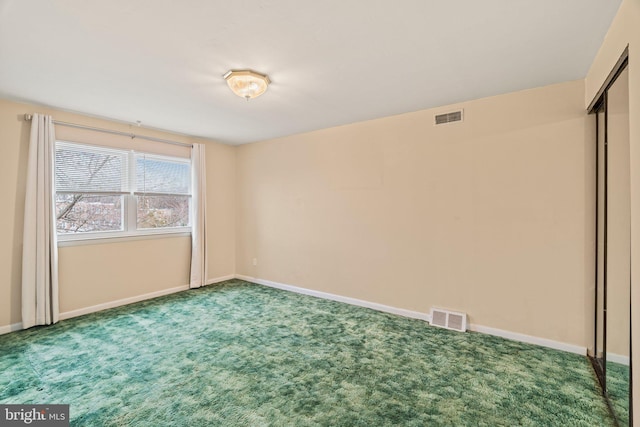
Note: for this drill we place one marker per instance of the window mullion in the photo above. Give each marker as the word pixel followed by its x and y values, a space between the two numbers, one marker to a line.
pixel 131 201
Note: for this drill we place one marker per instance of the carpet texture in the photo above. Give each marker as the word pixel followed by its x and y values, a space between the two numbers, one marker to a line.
pixel 239 354
pixel 618 378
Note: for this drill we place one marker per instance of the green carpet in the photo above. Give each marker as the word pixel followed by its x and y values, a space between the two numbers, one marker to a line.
pixel 618 377
pixel 240 354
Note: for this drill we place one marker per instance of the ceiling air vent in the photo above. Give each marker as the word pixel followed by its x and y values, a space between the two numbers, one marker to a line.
pixel 449 319
pixel 452 117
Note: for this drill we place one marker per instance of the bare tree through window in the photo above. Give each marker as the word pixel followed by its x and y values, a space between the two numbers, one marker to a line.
pixel 86 212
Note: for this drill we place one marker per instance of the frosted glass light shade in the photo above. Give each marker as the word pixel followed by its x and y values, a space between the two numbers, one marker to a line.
pixel 246 83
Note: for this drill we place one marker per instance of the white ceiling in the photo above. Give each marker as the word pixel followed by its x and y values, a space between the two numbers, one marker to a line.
pixel 331 62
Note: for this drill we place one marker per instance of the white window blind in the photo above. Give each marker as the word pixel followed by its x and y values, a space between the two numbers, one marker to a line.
pixel 163 189
pixel 160 175
pixel 84 169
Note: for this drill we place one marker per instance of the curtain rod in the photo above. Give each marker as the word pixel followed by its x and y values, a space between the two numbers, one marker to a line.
pixel 28 117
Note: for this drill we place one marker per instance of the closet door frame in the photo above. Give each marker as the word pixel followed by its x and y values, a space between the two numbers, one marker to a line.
pixel 599 105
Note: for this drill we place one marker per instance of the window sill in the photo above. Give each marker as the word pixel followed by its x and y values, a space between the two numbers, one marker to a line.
pixel 102 240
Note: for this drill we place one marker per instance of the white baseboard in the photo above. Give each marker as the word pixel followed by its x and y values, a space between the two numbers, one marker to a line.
pixel 617 358
pixel 120 302
pixel 112 304
pixel 514 336
pixel 10 328
pixel 543 342
pixel 221 279
pixel 339 298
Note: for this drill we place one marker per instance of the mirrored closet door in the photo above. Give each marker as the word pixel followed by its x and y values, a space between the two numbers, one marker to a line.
pixel 611 348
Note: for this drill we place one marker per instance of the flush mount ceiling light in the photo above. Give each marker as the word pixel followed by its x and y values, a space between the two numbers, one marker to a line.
pixel 246 83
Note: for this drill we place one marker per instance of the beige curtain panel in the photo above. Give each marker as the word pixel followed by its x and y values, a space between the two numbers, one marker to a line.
pixel 40 248
pixel 199 218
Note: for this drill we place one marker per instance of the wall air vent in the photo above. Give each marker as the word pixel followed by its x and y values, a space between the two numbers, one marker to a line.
pixel 449 319
pixel 452 117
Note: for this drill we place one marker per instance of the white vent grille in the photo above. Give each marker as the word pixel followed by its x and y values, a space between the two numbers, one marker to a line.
pixel 454 116
pixel 449 319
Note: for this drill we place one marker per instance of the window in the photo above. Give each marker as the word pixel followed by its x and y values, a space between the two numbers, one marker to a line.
pixel 106 192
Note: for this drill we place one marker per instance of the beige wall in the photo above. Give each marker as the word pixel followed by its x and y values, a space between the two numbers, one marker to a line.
pixel 221 214
pixel 626 31
pixel 102 273
pixel 490 216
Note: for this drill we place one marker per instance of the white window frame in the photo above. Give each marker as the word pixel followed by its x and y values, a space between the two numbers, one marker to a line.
pixel 130 230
